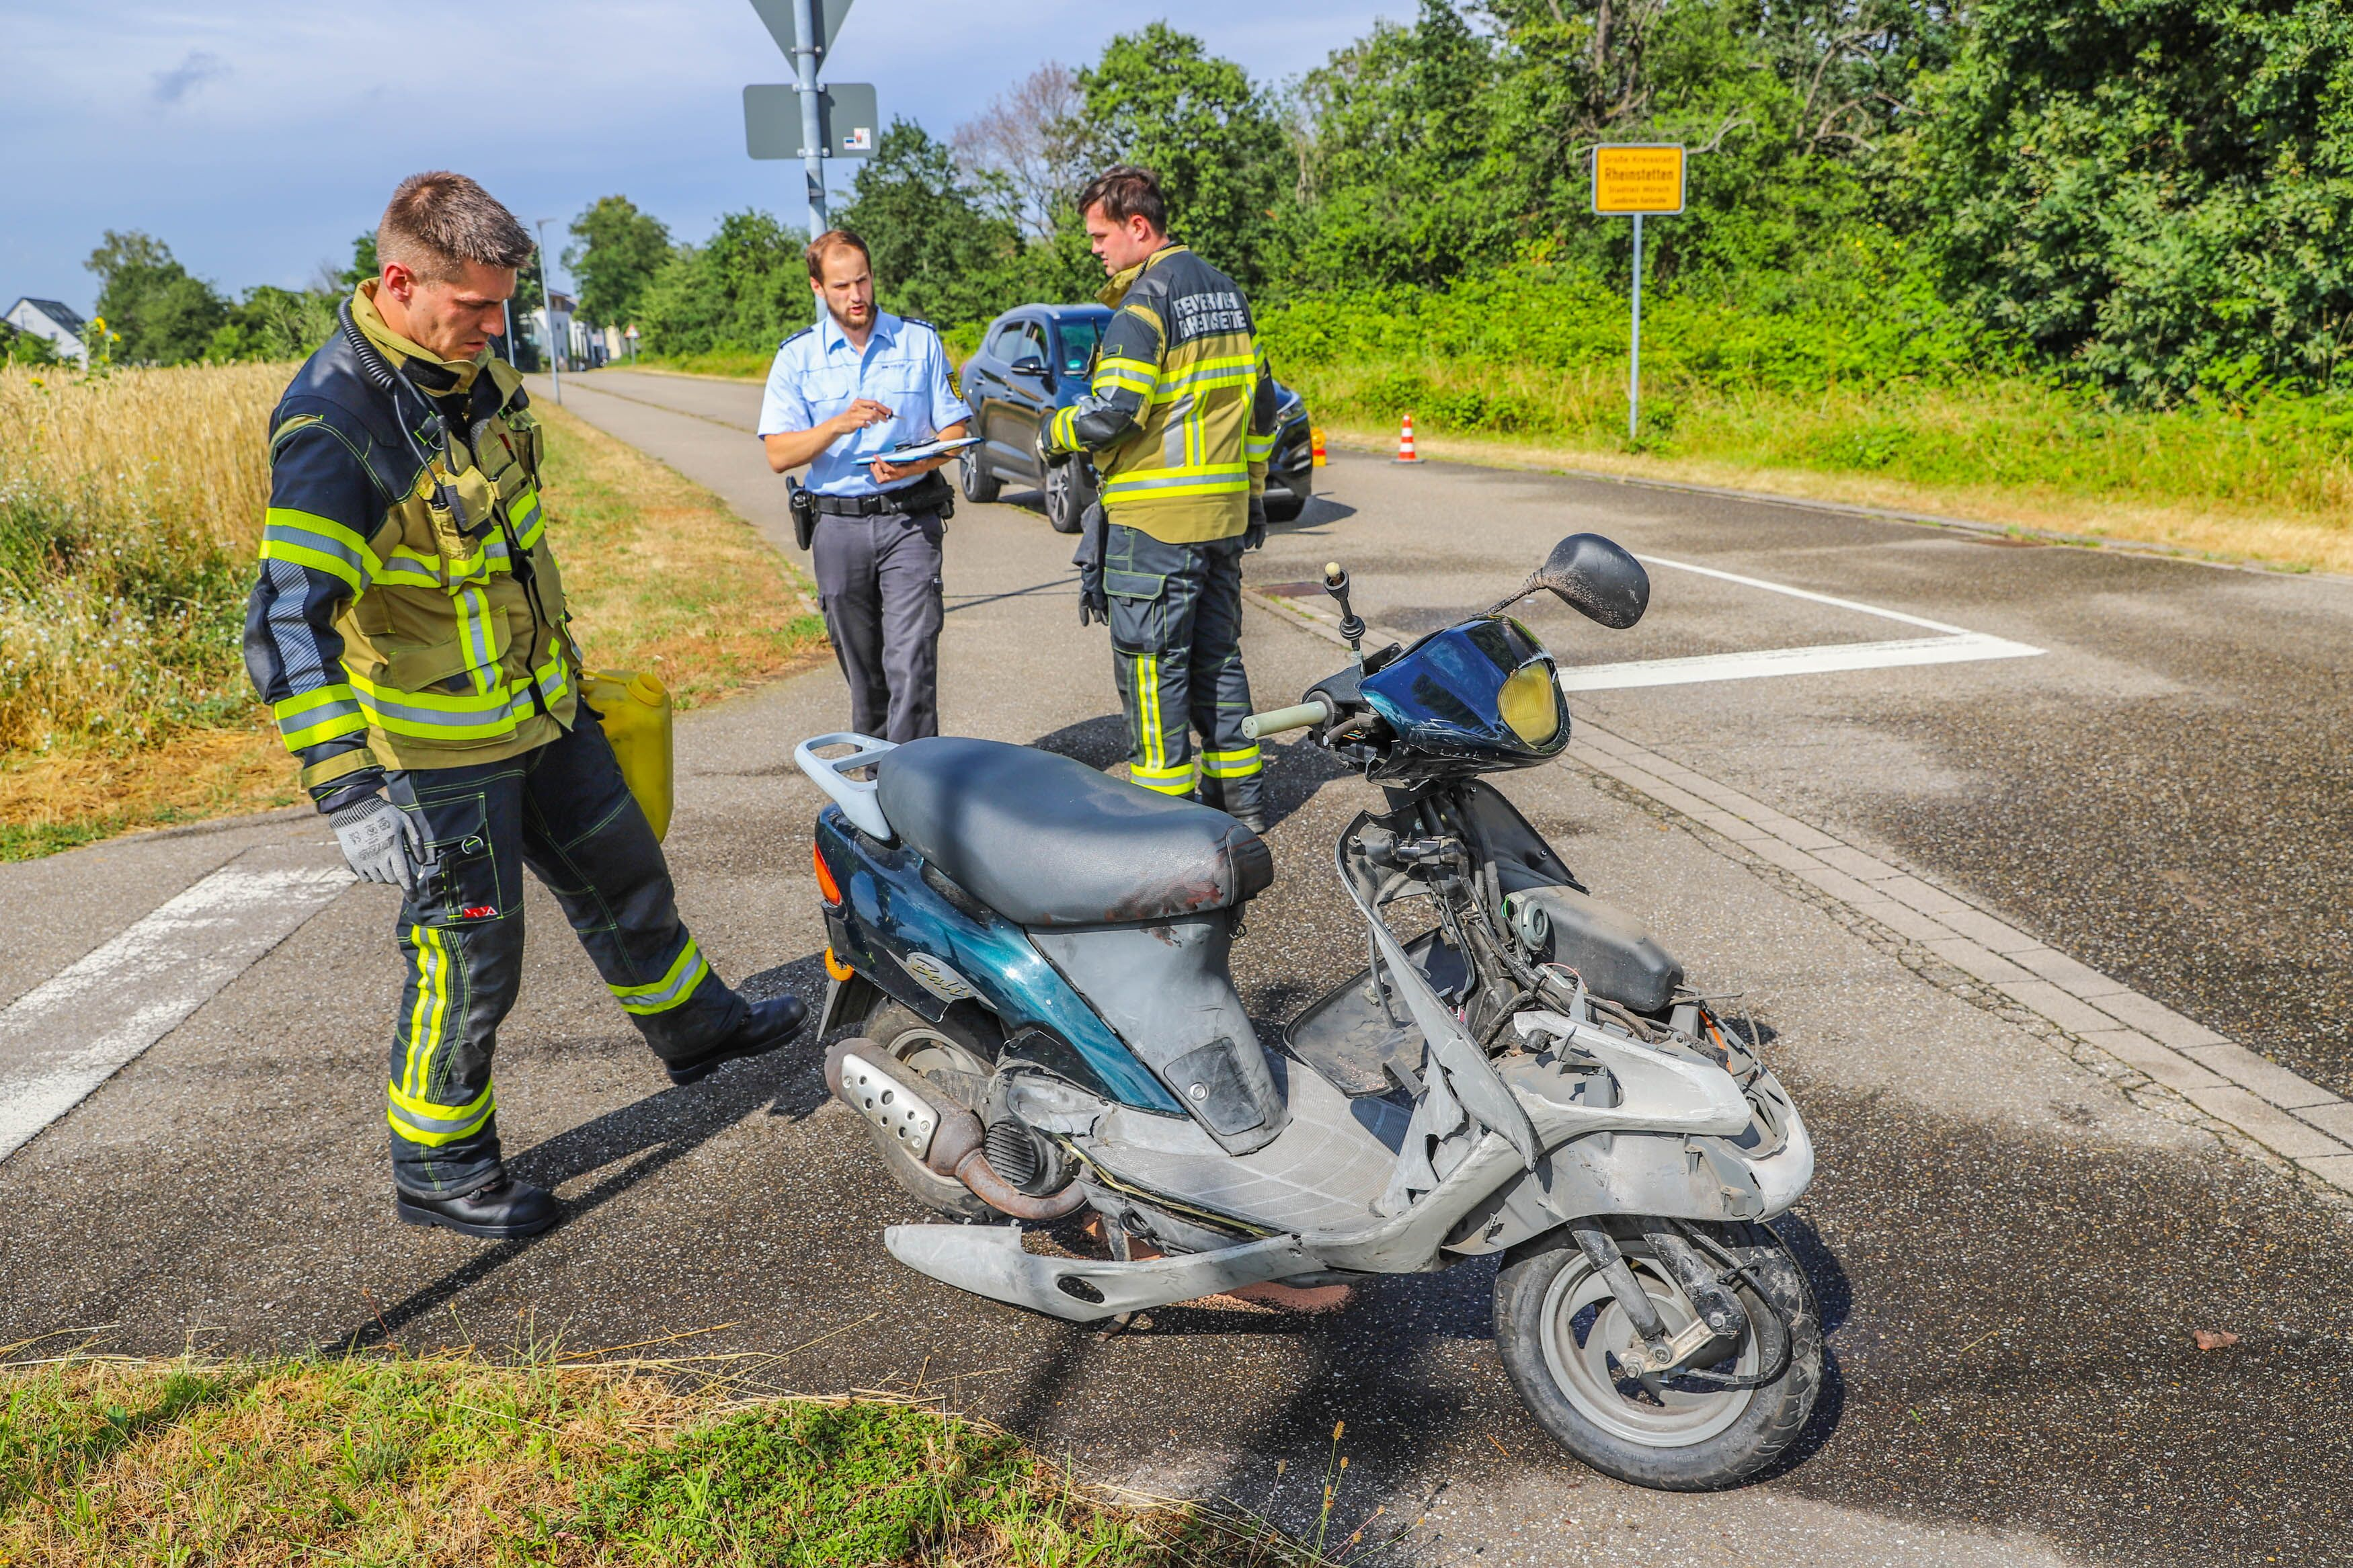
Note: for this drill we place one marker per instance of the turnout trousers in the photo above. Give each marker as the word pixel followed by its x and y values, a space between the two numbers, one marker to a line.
pixel 563 811
pixel 878 580
pixel 1176 653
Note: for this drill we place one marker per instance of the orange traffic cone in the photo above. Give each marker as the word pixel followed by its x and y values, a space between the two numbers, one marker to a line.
pixel 1316 433
pixel 1405 442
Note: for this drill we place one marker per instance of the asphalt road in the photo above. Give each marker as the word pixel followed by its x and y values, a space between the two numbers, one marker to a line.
pixel 2010 1255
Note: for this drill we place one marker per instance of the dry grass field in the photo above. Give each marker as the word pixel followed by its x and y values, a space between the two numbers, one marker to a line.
pixel 131 507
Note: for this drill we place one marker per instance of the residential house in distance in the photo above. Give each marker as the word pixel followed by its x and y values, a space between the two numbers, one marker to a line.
pixel 48 318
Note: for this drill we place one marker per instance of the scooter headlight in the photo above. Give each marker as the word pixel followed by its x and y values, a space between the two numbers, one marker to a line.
pixel 1530 702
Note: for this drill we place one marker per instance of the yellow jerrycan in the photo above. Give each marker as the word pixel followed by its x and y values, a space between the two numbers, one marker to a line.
pixel 635 708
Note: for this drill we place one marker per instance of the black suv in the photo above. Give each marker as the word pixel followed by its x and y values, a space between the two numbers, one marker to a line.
pixel 1033 361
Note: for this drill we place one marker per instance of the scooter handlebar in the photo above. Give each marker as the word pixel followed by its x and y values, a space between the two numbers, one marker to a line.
pixel 1298 716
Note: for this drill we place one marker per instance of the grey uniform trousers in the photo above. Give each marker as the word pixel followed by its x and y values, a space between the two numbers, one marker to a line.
pixel 878 580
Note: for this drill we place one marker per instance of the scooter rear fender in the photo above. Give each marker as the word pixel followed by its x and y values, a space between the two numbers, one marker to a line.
pixel 899 932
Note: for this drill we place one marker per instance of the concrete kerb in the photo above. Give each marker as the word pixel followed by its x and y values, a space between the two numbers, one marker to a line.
pixel 2159 1059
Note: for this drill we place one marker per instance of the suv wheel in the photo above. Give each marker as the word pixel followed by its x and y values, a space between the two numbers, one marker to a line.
pixel 980 486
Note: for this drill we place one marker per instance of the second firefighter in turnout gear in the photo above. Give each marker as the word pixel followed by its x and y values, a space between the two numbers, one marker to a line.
pixel 409 633
pixel 1180 420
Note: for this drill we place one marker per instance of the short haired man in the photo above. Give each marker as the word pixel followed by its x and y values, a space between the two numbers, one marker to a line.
pixel 1180 416
pixel 408 631
pixel 858 384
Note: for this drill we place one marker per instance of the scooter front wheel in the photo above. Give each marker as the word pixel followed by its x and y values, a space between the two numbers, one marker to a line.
pixel 1568 1347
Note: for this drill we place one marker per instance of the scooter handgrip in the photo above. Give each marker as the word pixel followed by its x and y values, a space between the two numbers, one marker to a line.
pixel 1298 716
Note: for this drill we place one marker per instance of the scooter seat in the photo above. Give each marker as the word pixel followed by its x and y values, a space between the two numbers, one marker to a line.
pixel 1047 841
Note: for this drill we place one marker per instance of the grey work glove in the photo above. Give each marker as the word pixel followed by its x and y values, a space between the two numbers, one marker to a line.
pixel 380 842
pixel 1254 535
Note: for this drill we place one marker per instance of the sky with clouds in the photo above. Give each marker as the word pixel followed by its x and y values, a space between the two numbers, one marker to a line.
pixel 257 138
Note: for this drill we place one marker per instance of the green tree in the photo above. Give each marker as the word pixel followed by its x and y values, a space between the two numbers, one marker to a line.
pixel 274 323
pixel 1159 99
pixel 745 287
pixel 619 250
pixel 2154 192
pixel 1392 148
pixel 30 350
pixel 363 262
pixel 165 315
pixel 937 253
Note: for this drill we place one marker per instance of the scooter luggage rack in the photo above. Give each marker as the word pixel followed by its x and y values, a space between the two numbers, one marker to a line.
pixel 856 797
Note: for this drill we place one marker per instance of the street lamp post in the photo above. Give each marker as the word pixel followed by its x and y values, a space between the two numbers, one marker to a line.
pixel 547 309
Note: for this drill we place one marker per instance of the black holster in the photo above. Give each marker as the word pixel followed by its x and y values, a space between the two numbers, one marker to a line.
pixel 802 504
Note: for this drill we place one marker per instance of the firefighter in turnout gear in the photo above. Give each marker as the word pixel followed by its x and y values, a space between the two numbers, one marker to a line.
pixel 408 631
pixel 1180 419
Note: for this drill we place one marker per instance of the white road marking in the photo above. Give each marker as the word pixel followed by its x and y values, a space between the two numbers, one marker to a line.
pixel 63 1038
pixel 1953 645
pixel 1770 661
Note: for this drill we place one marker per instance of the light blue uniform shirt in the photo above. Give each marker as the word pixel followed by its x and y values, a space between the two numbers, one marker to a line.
pixel 818 375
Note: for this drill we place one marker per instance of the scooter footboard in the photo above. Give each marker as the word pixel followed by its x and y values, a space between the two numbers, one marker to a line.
pixel 989 1260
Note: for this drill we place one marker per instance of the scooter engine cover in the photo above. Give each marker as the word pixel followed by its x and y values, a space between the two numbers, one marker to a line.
pixel 1046 841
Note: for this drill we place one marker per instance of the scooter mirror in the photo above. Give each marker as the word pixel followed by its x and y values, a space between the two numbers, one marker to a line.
pixel 1597 579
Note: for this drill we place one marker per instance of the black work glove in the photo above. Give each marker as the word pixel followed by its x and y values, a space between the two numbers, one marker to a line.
pixel 1093 605
pixel 1254 534
pixel 1047 455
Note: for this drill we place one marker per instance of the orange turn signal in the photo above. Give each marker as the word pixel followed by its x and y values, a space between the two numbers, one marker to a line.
pixel 826 885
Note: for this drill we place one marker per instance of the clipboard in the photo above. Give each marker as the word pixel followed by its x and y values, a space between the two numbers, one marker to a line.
pixel 928 449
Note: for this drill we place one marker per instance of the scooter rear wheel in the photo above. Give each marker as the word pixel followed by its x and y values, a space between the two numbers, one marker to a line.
pixel 1564 1338
pixel 939 1054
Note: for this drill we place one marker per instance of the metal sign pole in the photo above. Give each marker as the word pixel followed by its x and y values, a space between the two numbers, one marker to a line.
pixel 1634 365
pixel 805 54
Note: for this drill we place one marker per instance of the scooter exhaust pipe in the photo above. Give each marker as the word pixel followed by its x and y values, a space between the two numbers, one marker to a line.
pixel 949 1142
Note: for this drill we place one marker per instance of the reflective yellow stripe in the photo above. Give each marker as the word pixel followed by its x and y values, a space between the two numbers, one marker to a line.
pixel 1233 764
pixel 1147 705
pixel 409 569
pixel 321 543
pixel 1165 781
pixel 422 1121
pixel 685 973
pixel 322 714
pixel 432 1008
pixel 417 1105
pixel 1135 375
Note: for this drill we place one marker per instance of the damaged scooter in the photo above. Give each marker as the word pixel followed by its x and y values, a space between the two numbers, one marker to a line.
pixel 1030 958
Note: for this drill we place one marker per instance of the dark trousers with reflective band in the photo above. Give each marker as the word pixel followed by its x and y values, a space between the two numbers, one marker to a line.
pixel 1177 652
pixel 563 812
pixel 878 579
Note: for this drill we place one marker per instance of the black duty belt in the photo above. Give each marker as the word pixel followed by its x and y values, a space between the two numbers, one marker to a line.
pixel 930 493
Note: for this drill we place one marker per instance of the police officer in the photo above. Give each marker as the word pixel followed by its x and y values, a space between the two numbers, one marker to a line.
pixel 1180 416
pixel 408 631
pixel 859 382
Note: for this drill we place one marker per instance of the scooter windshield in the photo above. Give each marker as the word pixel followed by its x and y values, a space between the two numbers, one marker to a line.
pixel 1445 700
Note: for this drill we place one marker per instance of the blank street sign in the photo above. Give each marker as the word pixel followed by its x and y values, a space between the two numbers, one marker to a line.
pixel 846 119
pixel 1638 178
pixel 783 18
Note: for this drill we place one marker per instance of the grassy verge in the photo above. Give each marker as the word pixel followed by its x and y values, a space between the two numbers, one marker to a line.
pixel 453 1461
pixel 726 364
pixel 2206 485
pixel 1859 386
pixel 130 508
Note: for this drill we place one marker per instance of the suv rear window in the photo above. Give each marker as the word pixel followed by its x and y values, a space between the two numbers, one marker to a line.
pixel 1078 340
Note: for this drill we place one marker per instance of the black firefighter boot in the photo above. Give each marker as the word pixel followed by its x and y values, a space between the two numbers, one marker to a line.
pixel 769 1025
pixel 499 1210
